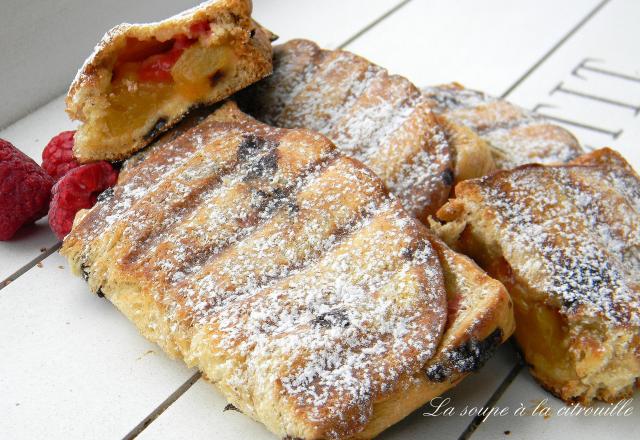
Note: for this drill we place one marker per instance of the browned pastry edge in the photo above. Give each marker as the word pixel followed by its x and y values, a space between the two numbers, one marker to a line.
pixel 563 349
pixel 481 320
pixel 511 135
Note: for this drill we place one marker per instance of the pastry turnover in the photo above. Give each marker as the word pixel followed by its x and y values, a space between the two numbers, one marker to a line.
pixel 143 78
pixel 286 273
pixel 380 119
pixel 565 242
pixel 513 135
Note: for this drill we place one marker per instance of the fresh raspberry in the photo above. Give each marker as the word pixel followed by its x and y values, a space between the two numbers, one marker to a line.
pixel 78 189
pixel 57 156
pixel 25 190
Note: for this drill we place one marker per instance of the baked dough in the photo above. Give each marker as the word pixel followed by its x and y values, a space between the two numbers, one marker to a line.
pixel 565 241
pixel 515 136
pixel 143 78
pixel 480 318
pixel 472 155
pixel 380 119
pixel 284 271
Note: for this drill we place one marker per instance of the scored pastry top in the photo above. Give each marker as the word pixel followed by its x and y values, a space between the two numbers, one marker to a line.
pixel 570 231
pixel 380 119
pixel 284 270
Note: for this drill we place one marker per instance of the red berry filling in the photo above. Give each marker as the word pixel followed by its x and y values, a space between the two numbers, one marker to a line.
pixel 157 68
pixel 151 60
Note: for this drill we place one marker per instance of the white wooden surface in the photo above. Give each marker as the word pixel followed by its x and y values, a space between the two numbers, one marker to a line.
pixel 537 424
pixel 72 367
pixel 483 45
pixel 609 41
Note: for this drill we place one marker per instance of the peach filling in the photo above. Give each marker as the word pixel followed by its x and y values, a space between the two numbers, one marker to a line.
pixel 150 73
pixel 539 326
pixel 541 330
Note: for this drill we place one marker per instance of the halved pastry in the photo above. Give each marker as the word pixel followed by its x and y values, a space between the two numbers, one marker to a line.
pixel 143 78
pixel 515 136
pixel 286 273
pixel 565 241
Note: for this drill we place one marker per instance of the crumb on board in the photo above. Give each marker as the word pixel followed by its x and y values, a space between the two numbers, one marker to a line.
pixel 230 407
pixel 148 352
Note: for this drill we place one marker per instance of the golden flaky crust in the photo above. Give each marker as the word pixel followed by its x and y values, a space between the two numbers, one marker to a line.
pixel 480 318
pixel 565 242
pixel 512 135
pixel 275 265
pixel 285 272
pixel 380 119
pixel 247 59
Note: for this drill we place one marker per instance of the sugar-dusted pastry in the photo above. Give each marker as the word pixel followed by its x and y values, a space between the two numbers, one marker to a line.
pixel 479 319
pixel 143 78
pixel 380 119
pixel 565 241
pixel 515 136
pixel 286 273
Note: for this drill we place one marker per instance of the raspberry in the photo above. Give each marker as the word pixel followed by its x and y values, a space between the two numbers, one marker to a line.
pixel 76 190
pixel 25 190
pixel 57 156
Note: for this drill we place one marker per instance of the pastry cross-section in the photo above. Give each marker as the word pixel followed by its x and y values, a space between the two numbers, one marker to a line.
pixel 565 241
pixel 143 78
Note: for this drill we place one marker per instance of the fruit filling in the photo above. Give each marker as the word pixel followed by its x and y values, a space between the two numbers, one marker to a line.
pixel 147 73
pixel 152 60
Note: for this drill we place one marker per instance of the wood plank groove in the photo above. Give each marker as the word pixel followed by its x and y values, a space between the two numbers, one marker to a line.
pixel 162 407
pixel 37 260
pixel 371 25
pixel 555 48
pixel 70 361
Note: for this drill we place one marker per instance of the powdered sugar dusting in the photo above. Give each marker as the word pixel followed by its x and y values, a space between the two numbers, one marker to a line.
pixel 377 118
pixel 298 278
pixel 515 135
pixel 583 234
